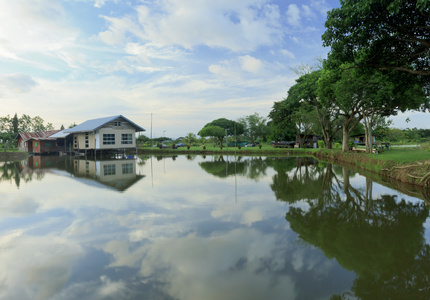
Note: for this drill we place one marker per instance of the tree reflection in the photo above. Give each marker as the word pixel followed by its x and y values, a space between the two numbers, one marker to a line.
pixel 298 178
pixel 380 239
pixel 220 166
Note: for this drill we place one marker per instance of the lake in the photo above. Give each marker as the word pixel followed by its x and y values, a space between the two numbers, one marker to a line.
pixel 207 227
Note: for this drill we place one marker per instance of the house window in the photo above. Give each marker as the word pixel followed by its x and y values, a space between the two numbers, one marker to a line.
pixel 75 138
pixel 87 142
pixel 127 138
pixel 127 168
pixel 35 144
pixel 109 170
pixel 47 144
pixel 108 139
pixel 117 124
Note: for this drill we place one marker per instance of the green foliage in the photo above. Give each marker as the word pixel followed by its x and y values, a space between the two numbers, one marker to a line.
pixel 255 126
pixel 190 138
pixel 321 144
pixel 337 145
pixel 15 124
pixel 23 124
pixel 281 123
pixel 381 34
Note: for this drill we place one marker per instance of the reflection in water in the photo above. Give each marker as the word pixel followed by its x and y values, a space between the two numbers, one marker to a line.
pixel 380 239
pixel 180 235
pixel 225 166
pixel 118 174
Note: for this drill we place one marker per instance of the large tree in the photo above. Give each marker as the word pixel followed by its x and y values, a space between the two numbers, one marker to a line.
pixel 382 34
pixel 215 132
pixel 365 94
pixel 229 128
pixel 281 125
pixel 306 91
pixel 255 126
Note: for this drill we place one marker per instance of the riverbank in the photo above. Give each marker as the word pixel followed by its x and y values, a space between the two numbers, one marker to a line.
pixel 12 156
pixel 416 172
pixel 406 167
pixel 410 168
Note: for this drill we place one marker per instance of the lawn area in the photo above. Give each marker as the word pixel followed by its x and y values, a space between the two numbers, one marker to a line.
pixel 404 154
pixel 265 150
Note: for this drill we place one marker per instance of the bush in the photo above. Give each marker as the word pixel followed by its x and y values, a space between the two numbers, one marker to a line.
pixel 188 147
pixel 321 144
pixel 259 146
pixel 336 145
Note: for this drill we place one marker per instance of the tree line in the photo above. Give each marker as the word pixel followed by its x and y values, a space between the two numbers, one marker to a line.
pixel 378 66
pixel 11 126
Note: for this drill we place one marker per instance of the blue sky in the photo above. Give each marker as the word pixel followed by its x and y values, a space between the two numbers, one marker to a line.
pixel 185 62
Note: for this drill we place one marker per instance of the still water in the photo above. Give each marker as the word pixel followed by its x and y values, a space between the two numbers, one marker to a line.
pixel 207 227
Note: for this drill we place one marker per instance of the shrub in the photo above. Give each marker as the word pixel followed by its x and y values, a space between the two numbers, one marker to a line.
pixel 204 147
pixel 159 145
pixel 336 145
pixel 239 146
pixel 321 144
pixel 259 146
pixel 188 146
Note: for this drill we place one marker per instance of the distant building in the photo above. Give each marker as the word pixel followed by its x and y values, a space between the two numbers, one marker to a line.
pixel 109 133
pixel 360 139
pixel 38 142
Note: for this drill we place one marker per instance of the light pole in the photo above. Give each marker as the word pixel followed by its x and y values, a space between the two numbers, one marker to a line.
pixel 226 141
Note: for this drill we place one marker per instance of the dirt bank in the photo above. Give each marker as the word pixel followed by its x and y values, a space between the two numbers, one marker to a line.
pixel 417 173
pixel 12 156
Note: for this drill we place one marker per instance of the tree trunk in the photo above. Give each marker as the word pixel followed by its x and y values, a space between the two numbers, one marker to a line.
pixel 345 137
pixel 368 133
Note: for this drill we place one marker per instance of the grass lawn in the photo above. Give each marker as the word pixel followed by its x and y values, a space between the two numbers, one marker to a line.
pixel 404 154
pixel 398 154
pixel 265 150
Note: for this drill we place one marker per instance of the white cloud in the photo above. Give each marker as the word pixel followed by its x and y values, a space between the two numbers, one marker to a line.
pixel 293 15
pixel 18 83
pixel 237 26
pixel 307 11
pixel 251 64
pixel 321 6
pixel 288 53
pixel 39 27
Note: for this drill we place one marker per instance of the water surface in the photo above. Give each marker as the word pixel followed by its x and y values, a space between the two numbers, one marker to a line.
pixel 207 227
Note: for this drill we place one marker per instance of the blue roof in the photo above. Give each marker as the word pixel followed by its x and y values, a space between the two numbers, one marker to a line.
pixel 95 124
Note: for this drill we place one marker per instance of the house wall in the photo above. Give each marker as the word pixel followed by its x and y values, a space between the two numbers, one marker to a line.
pixel 118 138
pixel 96 140
pixel 81 138
pixel 22 146
pixel 36 146
pixel 48 146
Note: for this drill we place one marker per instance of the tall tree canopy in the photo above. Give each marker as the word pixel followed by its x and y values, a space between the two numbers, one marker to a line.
pixel 383 34
pixel 219 128
pixel 255 126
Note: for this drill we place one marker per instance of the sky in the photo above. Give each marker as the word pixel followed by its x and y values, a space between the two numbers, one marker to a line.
pixel 170 66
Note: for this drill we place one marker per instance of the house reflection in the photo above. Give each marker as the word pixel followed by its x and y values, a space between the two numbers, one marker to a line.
pixel 118 174
pixel 115 174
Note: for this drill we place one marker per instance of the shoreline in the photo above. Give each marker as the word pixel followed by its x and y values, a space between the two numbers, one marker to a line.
pixel 415 174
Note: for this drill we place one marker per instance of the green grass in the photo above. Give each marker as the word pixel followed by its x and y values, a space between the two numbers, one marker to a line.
pixel 265 149
pixel 396 154
pixel 404 154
